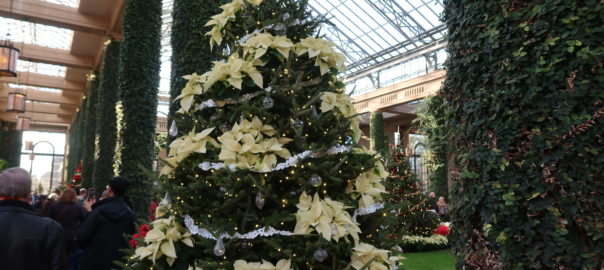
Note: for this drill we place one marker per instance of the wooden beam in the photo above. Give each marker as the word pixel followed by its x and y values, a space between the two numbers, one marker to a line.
pixel 35 53
pixel 48 127
pixel 41 96
pixel 53 14
pixel 37 117
pixel 39 80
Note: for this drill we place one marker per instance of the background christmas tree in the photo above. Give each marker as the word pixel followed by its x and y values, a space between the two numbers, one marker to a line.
pixel 265 171
pixel 404 192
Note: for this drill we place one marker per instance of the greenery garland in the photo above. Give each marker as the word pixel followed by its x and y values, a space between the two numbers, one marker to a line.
pixel 138 86
pixel 191 52
pixel 524 96
pixel 75 145
pixel 106 116
pixel 89 131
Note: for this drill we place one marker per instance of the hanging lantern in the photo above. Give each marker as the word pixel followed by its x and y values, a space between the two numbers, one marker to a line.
pixel 16 102
pixel 23 123
pixel 8 60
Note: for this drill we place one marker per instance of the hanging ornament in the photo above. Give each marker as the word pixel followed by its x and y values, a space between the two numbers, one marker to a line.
pixel 315 180
pixel 313 111
pixel 397 249
pixel 384 226
pixel 219 248
pixel 320 254
pixel 298 124
pixel 173 131
pixel 259 200
pixel 293 193
pixel 268 102
pixel 214 117
pixel 348 140
pixel 225 128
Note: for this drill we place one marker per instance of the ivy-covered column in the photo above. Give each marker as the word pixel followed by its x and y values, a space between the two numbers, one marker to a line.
pixel 191 51
pixel 106 116
pixel 10 143
pixel 377 135
pixel 73 152
pixel 138 86
pixel 89 131
pixel 524 99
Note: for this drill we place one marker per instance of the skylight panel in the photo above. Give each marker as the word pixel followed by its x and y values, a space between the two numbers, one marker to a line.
pixel 40 68
pixel 68 3
pixel 37 34
pixel 428 16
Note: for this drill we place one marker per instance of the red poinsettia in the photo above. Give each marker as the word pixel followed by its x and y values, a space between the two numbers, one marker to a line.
pixel 442 230
pixel 133 241
pixel 144 229
pixel 77 178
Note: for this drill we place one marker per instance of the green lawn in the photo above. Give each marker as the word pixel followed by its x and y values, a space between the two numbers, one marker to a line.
pixel 433 260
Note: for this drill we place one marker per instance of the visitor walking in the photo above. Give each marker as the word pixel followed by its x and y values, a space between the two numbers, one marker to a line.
pixel 27 241
pixel 70 215
pixel 101 236
pixel 52 199
pixel 82 196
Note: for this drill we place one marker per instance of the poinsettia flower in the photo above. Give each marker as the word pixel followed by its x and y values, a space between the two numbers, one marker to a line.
pixel 258 44
pixel 366 256
pixel 233 71
pixel 184 146
pixel 370 187
pixel 324 53
pixel 192 88
pixel 265 265
pixel 221 19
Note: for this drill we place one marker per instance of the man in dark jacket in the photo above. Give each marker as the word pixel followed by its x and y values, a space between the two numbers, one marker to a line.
pixel 27 241
pixel 101 236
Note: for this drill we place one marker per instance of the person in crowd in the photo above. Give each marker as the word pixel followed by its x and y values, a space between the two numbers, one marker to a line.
pixel 82 196
pixel 27 241
pixel 39 204
pixel 52 199
pixel 443 207
pixel 70 215
pixel 101 236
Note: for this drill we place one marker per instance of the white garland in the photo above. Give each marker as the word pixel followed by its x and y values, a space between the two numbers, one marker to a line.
pixel 262 232
pixel 206 166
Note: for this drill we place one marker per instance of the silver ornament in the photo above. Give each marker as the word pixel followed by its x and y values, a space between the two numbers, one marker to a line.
pixel 313 112
pixel 298 124
pixel 214 117
pixel 315 180
pixel 384 226
pixel 259 200
pixel 219 248
pixel 204 165
pixel 397 249
pixel 268 102
pixel 173 131
pixel 320 255
pixel 225 127
pixel 334 230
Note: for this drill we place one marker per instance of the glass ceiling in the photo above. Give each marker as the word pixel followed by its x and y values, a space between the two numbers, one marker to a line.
pixel 41 68
pixel 38 34
pixel 43 89
pixel 372 32
pixel 69 3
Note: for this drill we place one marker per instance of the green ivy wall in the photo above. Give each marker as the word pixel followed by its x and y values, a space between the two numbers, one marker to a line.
pixel 524 96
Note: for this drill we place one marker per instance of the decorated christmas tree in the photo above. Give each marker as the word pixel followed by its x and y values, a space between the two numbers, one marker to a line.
pixel 404 192
pixel 264 171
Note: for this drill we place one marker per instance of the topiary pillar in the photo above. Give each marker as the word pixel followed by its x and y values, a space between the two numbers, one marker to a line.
pixel 138 86
pixel 378 137
pixel 525 103
pixel 106 116
pixel 190 46
pixel 89 132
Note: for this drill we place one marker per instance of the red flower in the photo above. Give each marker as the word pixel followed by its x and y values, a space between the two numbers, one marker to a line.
pixel 133 241
pixel 442 230
pixel 77 178
pixel 144 229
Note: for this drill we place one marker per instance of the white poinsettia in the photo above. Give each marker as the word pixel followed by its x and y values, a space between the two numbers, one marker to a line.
pixel 330 100
pixel 259 43
pixel 328 217
pixel 366 256
pixel 184 146
pixel 229 11
pixel 160 240
pixel 264 265
pixel 369 186
pixel 324 52
pixel 246 147
pixel 193 87
pixel 233 71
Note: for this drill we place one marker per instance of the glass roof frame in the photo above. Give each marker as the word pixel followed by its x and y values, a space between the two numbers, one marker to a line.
pixel 374 32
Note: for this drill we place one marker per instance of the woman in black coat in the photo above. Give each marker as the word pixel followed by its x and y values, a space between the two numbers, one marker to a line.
pixel 70 215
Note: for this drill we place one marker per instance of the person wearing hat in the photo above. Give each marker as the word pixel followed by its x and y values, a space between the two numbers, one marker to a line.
pixel 101 236
pixel 27 240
